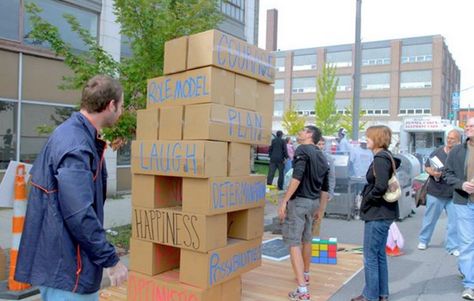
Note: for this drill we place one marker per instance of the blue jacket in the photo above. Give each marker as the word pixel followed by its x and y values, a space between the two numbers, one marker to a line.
pixel 63 244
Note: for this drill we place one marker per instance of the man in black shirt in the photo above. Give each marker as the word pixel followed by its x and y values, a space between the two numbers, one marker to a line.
pixel 277 153
pixel 308 188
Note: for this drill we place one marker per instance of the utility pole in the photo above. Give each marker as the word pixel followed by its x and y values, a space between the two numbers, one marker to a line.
pixel 356 76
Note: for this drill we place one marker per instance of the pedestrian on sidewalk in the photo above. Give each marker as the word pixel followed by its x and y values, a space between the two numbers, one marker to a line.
pixel 63 248
pixel 459 173
pixel 440 197
pixel 377 214
pixel 301 204
pixel 278 154
pixel 290 149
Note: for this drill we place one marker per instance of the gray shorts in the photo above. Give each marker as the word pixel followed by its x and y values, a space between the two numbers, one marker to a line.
pixel 297 227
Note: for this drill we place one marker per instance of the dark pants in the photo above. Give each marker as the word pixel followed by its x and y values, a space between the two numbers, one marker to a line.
pixel 271 173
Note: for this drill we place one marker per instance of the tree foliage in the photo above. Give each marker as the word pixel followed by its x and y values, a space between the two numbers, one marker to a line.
pixel 346 120
pixel 292 122
pixel 327 118
pixel 147 24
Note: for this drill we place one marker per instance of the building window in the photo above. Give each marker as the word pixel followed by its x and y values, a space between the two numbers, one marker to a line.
pixel 375 81
pixel 344 83
pixel 375 106
pixel 415 105
pixel 415 79
pixel 34 116
pixel 10 19
pixel 8 113
pixel 304 85
pixel 304 107
pixel 376 56
pixel 279 86
pixel 339 59
pixel 53 13
pixel 234 9
pixel 278 108
pixel 304 62
pixel 125 47
pixel 280 64
pixel 417 53
pixel 342 105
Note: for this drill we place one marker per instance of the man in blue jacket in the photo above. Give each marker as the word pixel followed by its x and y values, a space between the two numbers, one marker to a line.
pixel 63 248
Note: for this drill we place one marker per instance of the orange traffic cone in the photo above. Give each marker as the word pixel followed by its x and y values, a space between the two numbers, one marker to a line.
pixel 19 211
pixel 393 252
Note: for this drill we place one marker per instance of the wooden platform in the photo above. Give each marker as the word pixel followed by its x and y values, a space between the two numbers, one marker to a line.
pixel 273 280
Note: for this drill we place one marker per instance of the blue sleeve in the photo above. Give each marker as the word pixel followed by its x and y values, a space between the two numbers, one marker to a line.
pixel 76 199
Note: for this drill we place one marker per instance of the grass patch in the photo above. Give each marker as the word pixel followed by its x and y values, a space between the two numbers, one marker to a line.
pixel 122 239
pixel 261 169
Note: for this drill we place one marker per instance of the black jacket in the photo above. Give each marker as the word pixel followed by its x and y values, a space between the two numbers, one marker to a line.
pixel 277 151
pixel 455 172
pixel 373 206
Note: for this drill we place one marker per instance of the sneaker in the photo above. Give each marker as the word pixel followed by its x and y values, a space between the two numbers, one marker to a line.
pixel 467 294
pixel 454 253
pixel 422 246
pixel 306 279
pixel 296 295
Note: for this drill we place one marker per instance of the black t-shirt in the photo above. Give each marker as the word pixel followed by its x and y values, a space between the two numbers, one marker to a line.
pixel 439 188
pixel 311 168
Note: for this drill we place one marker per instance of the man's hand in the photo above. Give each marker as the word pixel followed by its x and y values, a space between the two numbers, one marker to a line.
pixel 117 274
pixel 468 187
pixel 282 210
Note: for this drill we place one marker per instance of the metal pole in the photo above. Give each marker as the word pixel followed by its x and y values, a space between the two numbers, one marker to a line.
pixel 356 76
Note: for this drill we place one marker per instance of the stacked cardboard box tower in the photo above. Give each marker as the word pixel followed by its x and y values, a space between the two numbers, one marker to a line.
pixel 197 216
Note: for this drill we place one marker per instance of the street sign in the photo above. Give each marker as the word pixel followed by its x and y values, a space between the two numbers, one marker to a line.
pixel 455 101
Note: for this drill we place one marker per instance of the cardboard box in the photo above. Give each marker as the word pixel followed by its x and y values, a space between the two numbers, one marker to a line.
pixel 223 194
pixel 151 259
pixel 148 124
pixel 171 123
pixel 166 286
pixel 150 191
pixel 238 159
pixel 201 159
pixel 206 270
pixel 173 227
pixel 227 52
pixel 176 52
pixel 265 101
pixel 224 123
pixel 245 93
pixel 3 265
pixel 245 224
pixel 204 85
pixel 232 289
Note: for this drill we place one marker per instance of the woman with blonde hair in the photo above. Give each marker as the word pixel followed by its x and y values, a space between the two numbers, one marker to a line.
pixel 377 214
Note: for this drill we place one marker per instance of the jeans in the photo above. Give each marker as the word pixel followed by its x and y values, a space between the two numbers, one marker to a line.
pixel 54 294
pixel 465 218
pixel 434 207
pixel 271 173
pixel 375 259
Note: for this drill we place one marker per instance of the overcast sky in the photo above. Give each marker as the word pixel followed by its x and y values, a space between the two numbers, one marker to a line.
pixel 315 23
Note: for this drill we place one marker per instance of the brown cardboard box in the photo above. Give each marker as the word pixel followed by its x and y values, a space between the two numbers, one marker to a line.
pixel 245 93
pixel 224 123
pixel 232 289
pixel 238 159
pixel 151 191
pixel 203 85
pixel 151 259
pixel 265 100
pixel 225 51
pixel 148 124
pixel 245 224
pixel 200 159
pixel 206 270
pixel 166 286
pixel 176 52
pixel 223 194
pixel 3 265
pixel 173 227
pixel 171 123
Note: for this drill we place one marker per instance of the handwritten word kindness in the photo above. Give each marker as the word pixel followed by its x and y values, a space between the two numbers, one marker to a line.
pixel 231 194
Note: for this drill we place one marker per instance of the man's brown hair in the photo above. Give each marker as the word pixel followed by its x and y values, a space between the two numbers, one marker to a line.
pixel 381 135
pixel 98 92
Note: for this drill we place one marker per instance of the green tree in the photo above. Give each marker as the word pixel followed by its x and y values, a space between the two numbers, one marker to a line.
pixel 147 24
pixel 327 119
pixel 292 122
pixel 346 120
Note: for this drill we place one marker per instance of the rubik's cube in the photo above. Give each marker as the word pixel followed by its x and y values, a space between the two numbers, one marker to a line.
pixel 324 251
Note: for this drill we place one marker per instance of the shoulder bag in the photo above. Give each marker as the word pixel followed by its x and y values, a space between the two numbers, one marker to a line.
pixel 394 192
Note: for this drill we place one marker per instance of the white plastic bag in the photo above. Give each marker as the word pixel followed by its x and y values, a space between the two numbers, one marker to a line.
pixel 395 237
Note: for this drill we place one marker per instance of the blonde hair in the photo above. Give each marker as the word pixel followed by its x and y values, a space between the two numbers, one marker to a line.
pixel 381 135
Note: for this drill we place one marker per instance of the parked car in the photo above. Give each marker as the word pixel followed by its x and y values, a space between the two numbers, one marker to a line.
pixel 261 153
